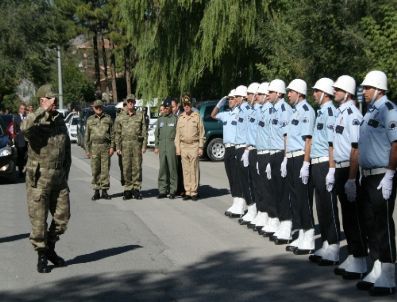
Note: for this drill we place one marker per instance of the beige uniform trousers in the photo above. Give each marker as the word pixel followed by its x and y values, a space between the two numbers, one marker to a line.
pixel 190 167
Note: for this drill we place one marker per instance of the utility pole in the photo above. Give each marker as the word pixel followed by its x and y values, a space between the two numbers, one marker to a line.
pixel 60 89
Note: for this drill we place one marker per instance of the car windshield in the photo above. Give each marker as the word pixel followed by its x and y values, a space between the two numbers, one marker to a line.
pixel 75 121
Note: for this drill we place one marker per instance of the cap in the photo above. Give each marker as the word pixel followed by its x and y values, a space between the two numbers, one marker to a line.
pixel 46 91
pixel 186 100
pixel 167 102
pixel 97 103
pixel 130 97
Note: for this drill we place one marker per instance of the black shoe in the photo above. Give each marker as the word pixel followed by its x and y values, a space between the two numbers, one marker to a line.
pixel 325 262
pixel 339 271
pixel 186 197
pixel 267 234
pixel 136 194
pixel 171 196
pixel 290 248
pixel 42 263
pixel 364 285
pixel 96 195
pixel 195 197
pixel 105 195
pixel 251 226
pixel 302 252
pixel 261 231
pixel 53 257
pixel 279 241
pixel 382 291
pixel 228 214
pixel 315 258
pixel 161 196
pixel 127 195
pixel 352 276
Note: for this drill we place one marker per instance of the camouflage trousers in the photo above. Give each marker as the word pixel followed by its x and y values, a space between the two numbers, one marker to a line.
pixel 132 165
pixel 47 191
pixel 100 165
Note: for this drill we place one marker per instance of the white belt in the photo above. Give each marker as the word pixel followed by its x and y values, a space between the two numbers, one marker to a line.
pixel 275 151
pixel 229 145
pixel 321 159
pixel 295 153
pixel 260 152
pixel 251 148
pixel 376 171
pixel 238 146
pixel 342 164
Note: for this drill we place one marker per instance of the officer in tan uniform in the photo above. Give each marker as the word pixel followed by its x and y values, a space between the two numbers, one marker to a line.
pixel 189 143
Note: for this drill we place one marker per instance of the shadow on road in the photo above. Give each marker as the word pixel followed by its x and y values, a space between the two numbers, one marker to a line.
pixel 98 255
pixel 207 191
pixel 227 276
pixel 14 238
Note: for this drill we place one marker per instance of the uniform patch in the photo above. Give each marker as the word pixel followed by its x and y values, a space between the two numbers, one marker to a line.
pixel 373 123
pixel 305 120
pixel 339 129
pixel 282 107
pixel 247 107
pixel 224 123
pixel 330 127
pixel 392 125
pixel 349 111
pixel 356 122
pixel 261 123
pixel 234 123
pixel 240 119
pixel 389 105
pixel 330 112
pixel 294 122
pixel 274 122
pixel 252 120
pixel 320 126
pixel 305 107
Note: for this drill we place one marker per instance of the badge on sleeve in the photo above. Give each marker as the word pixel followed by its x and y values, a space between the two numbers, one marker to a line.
pixel 393 125
pixel 356 122
pixel 161 125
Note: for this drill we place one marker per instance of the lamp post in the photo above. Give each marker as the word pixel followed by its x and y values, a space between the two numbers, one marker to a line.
pixel 60 89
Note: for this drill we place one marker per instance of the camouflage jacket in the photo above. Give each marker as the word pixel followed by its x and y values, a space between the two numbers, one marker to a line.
pixel 49 143
pixel 130 129
pixel 99 130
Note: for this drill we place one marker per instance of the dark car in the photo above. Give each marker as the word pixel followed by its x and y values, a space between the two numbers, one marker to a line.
pixel 8 154
pixel 85 113
pixel 214 147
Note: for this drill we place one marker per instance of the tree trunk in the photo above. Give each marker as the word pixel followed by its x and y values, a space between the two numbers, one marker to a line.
pixel 127 66
pixel 96 60
pixel 113 72
pixel 105 64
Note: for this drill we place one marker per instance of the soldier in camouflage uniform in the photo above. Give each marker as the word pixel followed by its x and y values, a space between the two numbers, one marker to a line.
pixel 47 171
pixel 99 147
pixel 164 144
pixel 131 141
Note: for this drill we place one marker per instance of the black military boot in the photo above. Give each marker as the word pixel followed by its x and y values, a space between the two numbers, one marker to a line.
pixel 53 257
pixel 42 263
pixel 96 195
pixel 127 195
pixel 136 194
pixel 105 195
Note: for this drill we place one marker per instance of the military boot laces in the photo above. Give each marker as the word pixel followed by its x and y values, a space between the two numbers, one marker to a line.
pixel 96 195
pixel 53 257
pixel 42 263
pixel 105 195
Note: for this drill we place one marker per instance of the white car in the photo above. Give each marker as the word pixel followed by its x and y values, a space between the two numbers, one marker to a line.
pixel 151 130
pixel 72 128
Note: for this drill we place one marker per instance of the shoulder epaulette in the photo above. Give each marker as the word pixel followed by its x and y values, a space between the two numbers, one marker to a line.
pixel 282 107
pixel 305 107
pixel 389 105
pixel 247 107
pixel 330 112
pixel 349 111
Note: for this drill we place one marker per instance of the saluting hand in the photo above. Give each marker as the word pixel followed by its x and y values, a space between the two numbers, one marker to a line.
pixel 118 152
pixel 111 151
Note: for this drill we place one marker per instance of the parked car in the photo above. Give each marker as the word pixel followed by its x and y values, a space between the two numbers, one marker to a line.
pixel 214 148
pixel 72 128
pixel 8 154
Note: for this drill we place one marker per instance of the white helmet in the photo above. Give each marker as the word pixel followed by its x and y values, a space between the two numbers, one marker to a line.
pixel 277 86
pixel 376 79
pixel 325 85
pixel 241 91
pixel 253 88
pixel 263 88
pixel 119 105
pixel 298 85
pixel 231 93
pixel 346 83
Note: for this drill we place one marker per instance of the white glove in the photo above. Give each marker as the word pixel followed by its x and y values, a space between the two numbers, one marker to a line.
pixel 221 102
pixel 269 171
pixel 257 168
pixel 351 190
pixel 386 184
pixel 330 179
pixel 245 159
pixel 283 167
pixel 304 172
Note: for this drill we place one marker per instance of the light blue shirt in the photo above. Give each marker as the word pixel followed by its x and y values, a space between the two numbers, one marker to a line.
pixel 263 133
pixel 377 132
pixel 300 126
pixel 229 121
pixel 346 130
pixel 323 130
pixel 242 123
pixel 280 113
pixel 252 127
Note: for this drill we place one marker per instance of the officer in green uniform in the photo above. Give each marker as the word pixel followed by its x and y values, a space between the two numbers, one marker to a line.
pixel 165 146
pixel 131 141
pixel 99 147
pixel 47 171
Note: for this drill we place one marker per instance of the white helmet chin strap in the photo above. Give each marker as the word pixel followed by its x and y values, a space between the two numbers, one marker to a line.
pixel 375 95
pixel 321 98
pixel 345 97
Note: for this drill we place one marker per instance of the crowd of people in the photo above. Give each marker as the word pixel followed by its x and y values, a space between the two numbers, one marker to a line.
pixel 278 153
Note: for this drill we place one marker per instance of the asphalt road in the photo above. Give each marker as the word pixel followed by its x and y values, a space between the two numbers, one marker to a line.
pixel 156 250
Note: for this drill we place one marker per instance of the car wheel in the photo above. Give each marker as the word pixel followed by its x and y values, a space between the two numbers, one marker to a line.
pixel 216 149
